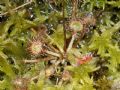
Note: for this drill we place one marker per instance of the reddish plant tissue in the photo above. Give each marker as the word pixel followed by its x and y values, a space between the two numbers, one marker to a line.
pixel 35 47
pixel 84 59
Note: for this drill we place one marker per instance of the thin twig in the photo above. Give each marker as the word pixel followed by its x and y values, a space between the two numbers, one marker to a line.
pixel 31 61
pixel 53 53
pixel 71 42
pixel 64 30
pixel 36 77
pixel 17 8
pixel 38 60
pixel 74 9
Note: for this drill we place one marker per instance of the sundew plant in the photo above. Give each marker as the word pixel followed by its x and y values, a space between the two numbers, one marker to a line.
pixel 59 44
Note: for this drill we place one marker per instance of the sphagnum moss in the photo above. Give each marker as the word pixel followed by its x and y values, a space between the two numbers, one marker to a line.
pixel 56 62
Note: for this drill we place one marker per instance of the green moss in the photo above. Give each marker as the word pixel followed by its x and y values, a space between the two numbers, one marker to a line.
pixel 99 26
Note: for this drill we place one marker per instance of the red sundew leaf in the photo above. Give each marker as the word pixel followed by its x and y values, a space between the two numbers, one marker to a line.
pixel 84 59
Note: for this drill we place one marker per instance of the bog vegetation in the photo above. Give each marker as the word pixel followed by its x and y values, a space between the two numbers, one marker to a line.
pixel 59 44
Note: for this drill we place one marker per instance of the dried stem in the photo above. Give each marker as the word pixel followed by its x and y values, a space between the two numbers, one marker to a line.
pixel 74 10
pixel 38 60
pixel 53 53
pixel 31 61
pixel 17 8
pixel 71 42
pixel 36 77
pixel 64 30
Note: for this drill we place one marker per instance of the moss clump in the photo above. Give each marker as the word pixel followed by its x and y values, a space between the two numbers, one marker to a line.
pixel 59 44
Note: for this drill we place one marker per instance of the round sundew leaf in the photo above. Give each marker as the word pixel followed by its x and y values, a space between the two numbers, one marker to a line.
pixel 76 26
pixel 35 48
